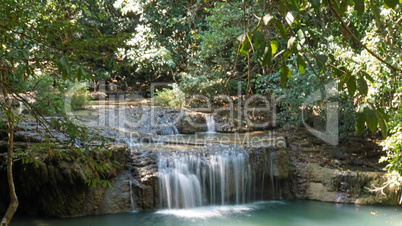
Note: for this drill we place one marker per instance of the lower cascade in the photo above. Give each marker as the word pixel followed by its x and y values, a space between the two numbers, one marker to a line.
pixel 210 124
pixel 190 180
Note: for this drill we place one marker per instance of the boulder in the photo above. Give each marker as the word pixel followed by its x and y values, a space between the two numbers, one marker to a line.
pixel 97 95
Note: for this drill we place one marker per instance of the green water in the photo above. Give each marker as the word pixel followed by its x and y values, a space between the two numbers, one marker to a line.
pixel 294 212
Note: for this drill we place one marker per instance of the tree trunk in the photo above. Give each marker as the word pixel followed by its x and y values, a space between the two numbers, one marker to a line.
pixel 12 208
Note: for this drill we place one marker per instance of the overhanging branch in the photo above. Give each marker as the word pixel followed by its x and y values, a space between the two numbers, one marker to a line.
pixel 338 16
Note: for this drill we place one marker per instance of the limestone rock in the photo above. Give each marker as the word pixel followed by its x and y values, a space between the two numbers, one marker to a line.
pixel 97 95
pixel 331 185
pixel 191 123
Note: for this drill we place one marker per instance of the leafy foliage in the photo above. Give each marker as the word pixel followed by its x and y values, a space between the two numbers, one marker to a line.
pixel 46 37
pixel 170 97
pixel 50 99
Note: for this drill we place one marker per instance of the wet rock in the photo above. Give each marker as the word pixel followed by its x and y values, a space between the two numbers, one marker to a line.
pixel 57 186
pixel 331 185
pixel 116 199
pixel 112 87
pixel 97 95
pixel 191 123
pixel 145 177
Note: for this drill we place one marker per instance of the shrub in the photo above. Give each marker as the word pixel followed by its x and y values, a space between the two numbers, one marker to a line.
pixel 170 97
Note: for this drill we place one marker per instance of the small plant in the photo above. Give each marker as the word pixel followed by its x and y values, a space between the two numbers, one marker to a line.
pixel 170 97
pixel 80 99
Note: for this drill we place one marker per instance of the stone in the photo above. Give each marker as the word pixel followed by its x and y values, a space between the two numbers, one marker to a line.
pixel 57 186
pixel 332 185
pixel 191 123
pixel 112 87
pixel 97 95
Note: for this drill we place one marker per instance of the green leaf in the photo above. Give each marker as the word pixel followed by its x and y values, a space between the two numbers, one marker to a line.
pixel 282 9
pixel 63 61
pixel 362 86
pixel 286 54
pixel 65 68
pixel 359 7
pixel 391 3
pixel 87 150
pixel 268 56
pixel 315 4
pixel 359 123
pixel 281 29
pixel 301 64
pixel 245 47
pixel 321 60
pixel 368 77
pixel 285 75
pixel 264 55
pixel 370 117
pixel 339 72
pixel 274 46
pixel 382 122
pixel 78 73
pixel 336 5
pixel 313 36
pixel 100 16
pixel 384 116
pixel 294 5
pixel 25 54
pixel 343 7
pixel 258 38
pixel 344 77
pixel 102 144
pixel 84 73
pixel 351 83
pixel 256 29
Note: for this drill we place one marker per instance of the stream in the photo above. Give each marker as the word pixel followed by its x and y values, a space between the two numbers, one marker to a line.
pixel 284 212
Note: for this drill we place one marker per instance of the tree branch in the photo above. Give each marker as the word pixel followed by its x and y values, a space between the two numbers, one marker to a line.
pixel 338 16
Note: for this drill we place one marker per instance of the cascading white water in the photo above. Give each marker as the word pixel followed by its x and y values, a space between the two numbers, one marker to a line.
pixel 20 108
pixel 169 129
pixel 180 186
pixel 132 204
pixel 192 179
pixel 210 120
pixel 271 173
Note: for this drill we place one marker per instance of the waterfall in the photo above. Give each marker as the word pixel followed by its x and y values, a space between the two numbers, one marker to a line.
pixel 20 107
pixel 132 205
pixel 169 129
pixel 180 187
pixel 271 173
pixel 210 123
pixel 195 179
